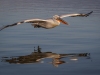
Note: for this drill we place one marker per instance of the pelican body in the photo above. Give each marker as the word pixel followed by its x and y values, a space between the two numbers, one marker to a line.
pixel 48 23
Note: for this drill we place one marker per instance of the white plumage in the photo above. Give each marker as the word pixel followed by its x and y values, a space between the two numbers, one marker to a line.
pixel 48 23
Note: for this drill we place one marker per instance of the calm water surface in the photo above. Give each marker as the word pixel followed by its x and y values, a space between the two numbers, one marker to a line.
pixel 73 49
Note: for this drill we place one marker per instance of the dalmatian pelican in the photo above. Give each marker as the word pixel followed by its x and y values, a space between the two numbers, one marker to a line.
pixel 48 23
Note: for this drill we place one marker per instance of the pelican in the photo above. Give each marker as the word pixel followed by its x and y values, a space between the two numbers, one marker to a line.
pixel 48 23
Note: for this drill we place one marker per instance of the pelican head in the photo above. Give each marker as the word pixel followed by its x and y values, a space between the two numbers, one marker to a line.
pixel 56 17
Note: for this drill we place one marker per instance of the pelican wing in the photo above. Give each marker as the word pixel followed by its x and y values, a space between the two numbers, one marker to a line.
pixel 34 21
pixel 77 14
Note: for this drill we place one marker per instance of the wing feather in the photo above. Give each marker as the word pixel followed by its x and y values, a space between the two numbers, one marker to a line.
pixel 76 14
pixel 25 21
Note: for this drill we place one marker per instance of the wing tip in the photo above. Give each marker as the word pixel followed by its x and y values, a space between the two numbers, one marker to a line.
pixel 89 13
pixel 1 28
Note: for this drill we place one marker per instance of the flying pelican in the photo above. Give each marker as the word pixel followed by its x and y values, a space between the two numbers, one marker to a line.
pixel 48 23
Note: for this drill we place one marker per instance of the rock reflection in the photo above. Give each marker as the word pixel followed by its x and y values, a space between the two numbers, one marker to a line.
pixel 39 57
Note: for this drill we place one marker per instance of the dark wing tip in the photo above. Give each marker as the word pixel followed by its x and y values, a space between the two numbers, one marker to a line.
pixel 89 13
pixel 1 28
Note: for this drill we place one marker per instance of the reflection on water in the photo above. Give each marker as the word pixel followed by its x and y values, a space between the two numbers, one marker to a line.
pixel 80 37
pixel 39 57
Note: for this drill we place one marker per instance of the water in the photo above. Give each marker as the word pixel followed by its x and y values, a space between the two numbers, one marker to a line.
pixel 81 36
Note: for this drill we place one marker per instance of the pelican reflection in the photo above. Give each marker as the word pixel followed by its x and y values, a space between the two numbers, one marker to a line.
pixel 40 57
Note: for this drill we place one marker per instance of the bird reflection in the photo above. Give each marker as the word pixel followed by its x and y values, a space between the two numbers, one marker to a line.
pixel 39 57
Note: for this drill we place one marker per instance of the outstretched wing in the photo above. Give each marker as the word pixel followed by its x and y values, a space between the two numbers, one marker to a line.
pixel 25 21
pixel 77 14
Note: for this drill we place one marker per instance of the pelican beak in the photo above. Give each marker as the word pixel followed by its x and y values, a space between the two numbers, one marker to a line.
pixel 62 21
